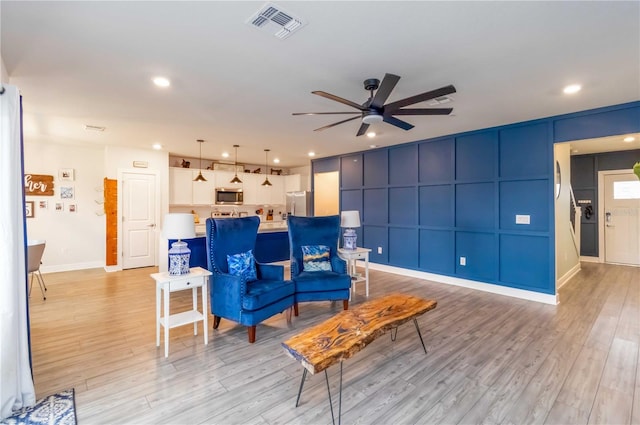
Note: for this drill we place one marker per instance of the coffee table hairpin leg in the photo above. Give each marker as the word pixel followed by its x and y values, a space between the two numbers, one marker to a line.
pixel 394 334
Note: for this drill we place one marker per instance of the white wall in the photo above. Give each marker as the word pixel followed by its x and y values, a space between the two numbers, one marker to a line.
pixel 567 259
pixel 4 75
pixel 75 240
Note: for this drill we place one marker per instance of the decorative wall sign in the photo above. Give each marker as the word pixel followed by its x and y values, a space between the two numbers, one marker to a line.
pixel 38 185
pixel 43 205
pixel 67 174
pixel 73 208
pixel 66 192
pixel 28 208
pixel 59 207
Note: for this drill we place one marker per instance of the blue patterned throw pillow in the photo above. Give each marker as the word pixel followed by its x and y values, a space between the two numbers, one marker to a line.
pixel 316 258
pixel 243 265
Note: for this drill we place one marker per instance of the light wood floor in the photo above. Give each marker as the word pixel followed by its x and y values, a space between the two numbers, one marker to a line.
pixel 491 359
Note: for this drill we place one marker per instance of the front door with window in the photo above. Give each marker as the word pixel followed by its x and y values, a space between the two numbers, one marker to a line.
pixel 622 219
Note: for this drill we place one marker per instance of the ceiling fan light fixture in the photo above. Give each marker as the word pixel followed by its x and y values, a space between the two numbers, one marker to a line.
pixel 200 177
pixel 372 118
pixel 235 178
pixel 266 181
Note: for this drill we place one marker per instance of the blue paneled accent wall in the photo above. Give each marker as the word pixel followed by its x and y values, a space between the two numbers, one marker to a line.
pixel 428 204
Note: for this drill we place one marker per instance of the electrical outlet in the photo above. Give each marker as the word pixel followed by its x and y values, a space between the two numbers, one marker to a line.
pixel 463 261
pixel 379 250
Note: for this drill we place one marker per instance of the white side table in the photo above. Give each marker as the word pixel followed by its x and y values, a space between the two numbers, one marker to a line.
pixel 350 256
pixel 196 278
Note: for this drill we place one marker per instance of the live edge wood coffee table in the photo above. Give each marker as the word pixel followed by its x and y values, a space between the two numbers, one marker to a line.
pixel 348 332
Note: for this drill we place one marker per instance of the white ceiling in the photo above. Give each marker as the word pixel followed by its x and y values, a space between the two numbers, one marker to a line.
pixel 80 63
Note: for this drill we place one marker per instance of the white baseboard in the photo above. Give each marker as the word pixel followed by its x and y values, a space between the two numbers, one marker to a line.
pixel 111 269
pixel 471 284
pixel 71 267
pixel 567 276
pixel 588 259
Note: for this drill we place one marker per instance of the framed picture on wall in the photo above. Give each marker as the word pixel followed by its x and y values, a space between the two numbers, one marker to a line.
pixel 43 205
pixel 66 192
pixel 59 207
pixel 67 174
pixel 73 208
pixel 28 207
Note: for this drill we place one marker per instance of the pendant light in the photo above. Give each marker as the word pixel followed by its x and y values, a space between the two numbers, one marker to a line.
pixel 266 181
pixel 235 178
pixel 200 177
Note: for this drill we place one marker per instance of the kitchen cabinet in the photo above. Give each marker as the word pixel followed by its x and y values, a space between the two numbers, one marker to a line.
pixel 292 183
pixel 203 192
pixel 180 190
pixel 184 191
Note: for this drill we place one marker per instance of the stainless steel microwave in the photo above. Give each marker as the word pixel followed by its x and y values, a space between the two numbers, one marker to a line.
pixel 229 196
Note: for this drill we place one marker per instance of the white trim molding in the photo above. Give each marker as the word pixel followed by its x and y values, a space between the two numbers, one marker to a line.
pixel 72 267
pixel 568 275
pixel 471 284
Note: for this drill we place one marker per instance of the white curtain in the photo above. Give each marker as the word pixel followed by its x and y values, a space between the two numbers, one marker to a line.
pixel 16 384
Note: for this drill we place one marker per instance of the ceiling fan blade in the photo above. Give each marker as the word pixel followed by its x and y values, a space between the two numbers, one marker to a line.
pixel 422 111
pixel 386 87
pixel 363 129
pixel 335 123
pixel 339 99
pixel 398 123
pixel 443 91
pixel 326 113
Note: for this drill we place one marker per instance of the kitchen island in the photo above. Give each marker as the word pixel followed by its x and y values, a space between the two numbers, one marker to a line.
pixel 272 244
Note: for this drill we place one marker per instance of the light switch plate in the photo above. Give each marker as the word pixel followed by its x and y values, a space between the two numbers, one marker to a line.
pixel 463 261
pixel 523 219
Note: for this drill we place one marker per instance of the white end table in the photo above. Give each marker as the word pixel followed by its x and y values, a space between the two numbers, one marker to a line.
pixel 350 256
pixel 196 278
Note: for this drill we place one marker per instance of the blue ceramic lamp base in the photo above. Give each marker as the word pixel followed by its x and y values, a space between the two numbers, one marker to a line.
pixel 179 255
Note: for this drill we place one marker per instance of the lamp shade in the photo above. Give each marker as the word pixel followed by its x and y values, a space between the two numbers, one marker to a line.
pixel 350 219
pixel 178 226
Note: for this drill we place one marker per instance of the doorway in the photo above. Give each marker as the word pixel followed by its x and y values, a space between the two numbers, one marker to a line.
pixel 139 206
pixel 326 193
pixel 620 216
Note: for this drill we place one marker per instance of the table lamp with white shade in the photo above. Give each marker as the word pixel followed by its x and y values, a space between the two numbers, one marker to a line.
pixel 349 220
pixel 179 226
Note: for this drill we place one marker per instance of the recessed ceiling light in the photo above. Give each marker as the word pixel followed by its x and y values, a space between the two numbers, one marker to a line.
pixel 157 146
pixel 225 154
pixel 312 153
pixel 161 82
pixel 572 88
pixel 371 134
pixel 276 160
pixel 373 146
pixel 629 139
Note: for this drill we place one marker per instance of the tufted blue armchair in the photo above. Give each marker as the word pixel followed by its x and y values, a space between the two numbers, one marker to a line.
pixel 324 285
pixel 233 297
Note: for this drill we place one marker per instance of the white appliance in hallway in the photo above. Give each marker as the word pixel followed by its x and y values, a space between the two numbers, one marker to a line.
pixel 622 218
pixel 299 203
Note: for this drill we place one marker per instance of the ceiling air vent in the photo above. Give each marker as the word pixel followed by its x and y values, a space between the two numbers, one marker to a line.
pixel 274 20
pixel 440 100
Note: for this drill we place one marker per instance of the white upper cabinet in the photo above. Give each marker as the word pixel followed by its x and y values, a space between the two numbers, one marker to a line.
pixel 203 192
pixel 292 183
pixel 180 191
pixel 184 191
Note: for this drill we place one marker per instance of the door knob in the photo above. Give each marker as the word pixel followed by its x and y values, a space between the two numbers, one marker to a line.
pixel 151 225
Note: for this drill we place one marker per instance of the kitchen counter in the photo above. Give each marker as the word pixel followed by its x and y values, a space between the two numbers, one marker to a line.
pixel 272 243
pixel 265 227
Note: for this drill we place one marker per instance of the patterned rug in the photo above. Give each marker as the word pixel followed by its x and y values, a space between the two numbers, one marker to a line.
pixel 54 409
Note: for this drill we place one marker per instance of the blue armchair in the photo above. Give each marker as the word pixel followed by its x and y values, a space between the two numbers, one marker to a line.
pixel 329 283
pixel 235 295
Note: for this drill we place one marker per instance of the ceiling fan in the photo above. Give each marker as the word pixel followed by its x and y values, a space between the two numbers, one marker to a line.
pixel 374 110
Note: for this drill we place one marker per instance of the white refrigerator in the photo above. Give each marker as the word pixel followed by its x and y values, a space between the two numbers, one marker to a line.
pixel 299 203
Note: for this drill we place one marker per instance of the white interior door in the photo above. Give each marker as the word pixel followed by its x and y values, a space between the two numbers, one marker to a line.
pixel 138 220
pixel 622 219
